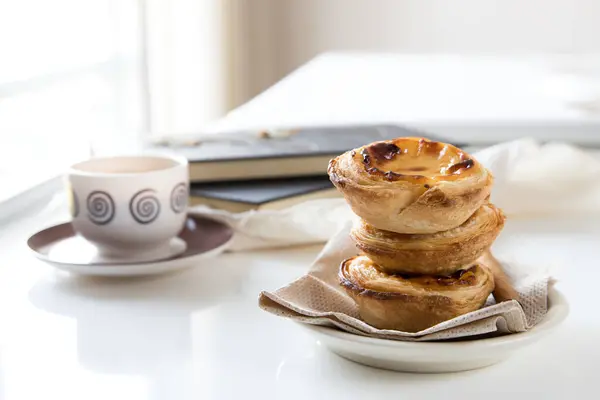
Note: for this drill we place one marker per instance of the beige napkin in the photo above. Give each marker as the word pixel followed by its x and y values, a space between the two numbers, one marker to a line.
pixel 530 180
pixel 316 298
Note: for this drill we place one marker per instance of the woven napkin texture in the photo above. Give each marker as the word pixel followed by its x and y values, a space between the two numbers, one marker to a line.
pixel 317 298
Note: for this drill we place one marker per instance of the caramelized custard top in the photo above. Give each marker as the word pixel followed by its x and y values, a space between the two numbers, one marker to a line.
pixel 415 158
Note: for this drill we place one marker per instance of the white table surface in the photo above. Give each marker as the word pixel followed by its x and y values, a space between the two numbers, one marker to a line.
pixel 199 333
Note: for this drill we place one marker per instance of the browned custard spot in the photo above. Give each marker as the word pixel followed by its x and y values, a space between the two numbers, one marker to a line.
pixel 384 151
pixel 390 175
pixel 366 157
pixel 456 168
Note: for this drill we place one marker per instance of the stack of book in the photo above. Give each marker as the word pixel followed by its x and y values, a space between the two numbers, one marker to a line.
pixel 271 170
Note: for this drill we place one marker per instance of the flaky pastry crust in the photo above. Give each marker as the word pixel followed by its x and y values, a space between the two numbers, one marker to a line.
pixel 413 303
pixel 440 253
pixel 411 184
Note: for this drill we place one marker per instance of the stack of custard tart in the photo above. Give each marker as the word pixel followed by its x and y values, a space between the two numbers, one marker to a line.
pixel 424 221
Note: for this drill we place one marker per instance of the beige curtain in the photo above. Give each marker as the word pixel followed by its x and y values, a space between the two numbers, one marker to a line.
pixel 204 57
pixel 187 53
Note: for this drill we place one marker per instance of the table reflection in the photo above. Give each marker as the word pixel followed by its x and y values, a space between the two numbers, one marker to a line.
pixel 140 326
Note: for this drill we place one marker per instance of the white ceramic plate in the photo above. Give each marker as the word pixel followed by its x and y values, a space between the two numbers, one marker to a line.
pixel 428 357
pixel 204 238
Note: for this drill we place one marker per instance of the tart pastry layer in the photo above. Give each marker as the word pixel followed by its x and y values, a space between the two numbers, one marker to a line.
pixel 413 303
pixel 441 253
pixel 411 185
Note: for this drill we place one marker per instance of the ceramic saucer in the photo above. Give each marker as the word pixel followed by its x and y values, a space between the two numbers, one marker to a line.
pixel 77 250
pixel 59 246
pixel 441 356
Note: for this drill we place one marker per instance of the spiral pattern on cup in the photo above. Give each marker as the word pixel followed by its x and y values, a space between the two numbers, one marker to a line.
pixel 144 206
pixel 179 198
pixel 100 207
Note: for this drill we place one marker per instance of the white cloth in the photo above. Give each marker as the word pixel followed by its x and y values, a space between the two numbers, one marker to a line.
pixel 530 180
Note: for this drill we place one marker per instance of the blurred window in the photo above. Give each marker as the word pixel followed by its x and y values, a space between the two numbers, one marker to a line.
pixel 71 79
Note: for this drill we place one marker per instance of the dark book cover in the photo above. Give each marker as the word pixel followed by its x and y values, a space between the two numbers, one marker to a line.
pixel 260 191
pixel 302 142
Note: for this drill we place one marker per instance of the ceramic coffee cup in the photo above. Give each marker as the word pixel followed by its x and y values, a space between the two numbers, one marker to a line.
pixel 130 208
